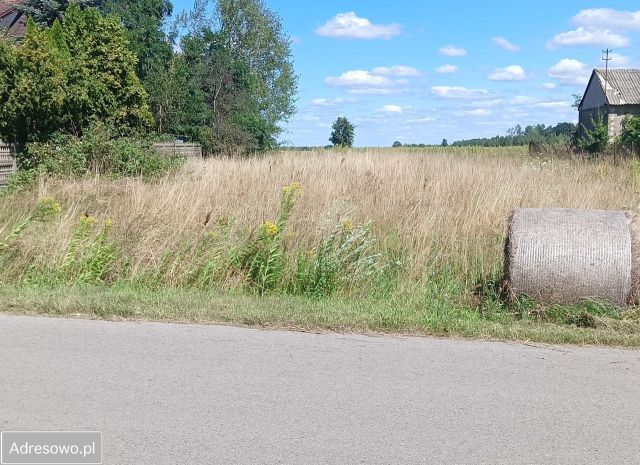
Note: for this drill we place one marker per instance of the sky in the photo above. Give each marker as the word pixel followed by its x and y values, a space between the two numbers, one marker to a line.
pixel 422 71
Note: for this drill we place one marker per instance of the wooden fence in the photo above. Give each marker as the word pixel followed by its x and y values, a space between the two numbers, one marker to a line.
pixel 7 162
pixel 178 149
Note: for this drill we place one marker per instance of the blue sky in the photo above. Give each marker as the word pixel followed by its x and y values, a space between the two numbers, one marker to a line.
pixel 419 71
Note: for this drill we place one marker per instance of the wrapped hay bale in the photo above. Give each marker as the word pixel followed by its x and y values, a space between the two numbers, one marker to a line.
pixel 560 255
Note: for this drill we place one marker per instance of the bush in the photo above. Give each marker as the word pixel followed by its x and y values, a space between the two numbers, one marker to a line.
pixel 596 139
pixel 98 152
pixel 631 132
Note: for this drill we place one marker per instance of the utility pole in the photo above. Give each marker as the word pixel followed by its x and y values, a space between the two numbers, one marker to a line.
pixel 606 58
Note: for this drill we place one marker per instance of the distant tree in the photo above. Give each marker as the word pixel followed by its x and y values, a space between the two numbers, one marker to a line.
pixel 45 12
pixel 397 144
pixel 343 133
pixel 444 143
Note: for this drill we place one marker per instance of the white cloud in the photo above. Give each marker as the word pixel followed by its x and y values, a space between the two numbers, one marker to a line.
pixel 510 73
pixel 582 37
pixel 553 105
pixel 447 69
pixel 351 26
pixel 398 70
pixel 453 51
pixel 377 91
pixel 486 103
pixel 505 44
pixel 379 81
pixel 420 120
pixel 522 100
pixel 549 85
pixel 618 60
pixel 358 78
pixel 327 102
pixel 478 112
pixel 397 109
pixel 608 18
pixel 458 92
pixel 569 71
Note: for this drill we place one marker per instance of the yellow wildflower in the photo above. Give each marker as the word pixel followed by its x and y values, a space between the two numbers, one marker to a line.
pixel 348 226
pixel 87 220
pixel 108 223
pixel 47 207
pixel 292 189
pixel 269 228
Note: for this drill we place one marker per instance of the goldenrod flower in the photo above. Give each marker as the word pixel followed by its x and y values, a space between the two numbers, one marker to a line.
pixel 47 207
pixel 292 189
pixel 87 220
pixel 348 226
pixel 269 229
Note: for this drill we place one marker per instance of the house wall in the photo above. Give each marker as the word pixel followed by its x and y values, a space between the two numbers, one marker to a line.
pixel 616 115
pixel 593 97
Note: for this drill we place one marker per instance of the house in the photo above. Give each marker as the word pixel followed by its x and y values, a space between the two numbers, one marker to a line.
pixel 612 95
pixel 12 21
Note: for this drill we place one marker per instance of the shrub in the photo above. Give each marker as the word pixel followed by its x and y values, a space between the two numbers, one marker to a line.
pixel 595 140
pixel 631 132
pixel 100 152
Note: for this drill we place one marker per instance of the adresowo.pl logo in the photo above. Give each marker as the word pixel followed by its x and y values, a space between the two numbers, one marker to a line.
pixel 51 448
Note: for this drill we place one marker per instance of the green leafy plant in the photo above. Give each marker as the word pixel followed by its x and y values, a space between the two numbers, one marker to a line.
pixel 343 259
pixel 99 151
pixel 596 139
pixel 89 257
pixel 263 256
pixel 631 132
pixel 45 209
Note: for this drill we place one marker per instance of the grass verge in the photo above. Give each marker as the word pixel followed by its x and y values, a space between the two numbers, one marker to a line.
pixel 409 316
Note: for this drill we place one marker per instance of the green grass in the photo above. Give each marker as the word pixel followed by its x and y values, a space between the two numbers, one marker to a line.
pixel 425 312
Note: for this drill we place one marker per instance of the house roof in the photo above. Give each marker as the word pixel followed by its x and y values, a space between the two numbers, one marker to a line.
pixel 622 85
pixel 15 22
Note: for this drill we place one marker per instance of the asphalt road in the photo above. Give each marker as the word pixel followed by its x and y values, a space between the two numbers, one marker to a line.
pixel 178 394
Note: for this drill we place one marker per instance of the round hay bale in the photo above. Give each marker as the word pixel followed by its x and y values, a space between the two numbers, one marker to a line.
pixel 560 255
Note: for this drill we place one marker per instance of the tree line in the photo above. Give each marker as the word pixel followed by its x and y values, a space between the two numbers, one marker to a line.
pixel 561 133
pixel 221 74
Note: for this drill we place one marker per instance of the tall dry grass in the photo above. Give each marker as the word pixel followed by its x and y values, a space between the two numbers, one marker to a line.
pixel 436 208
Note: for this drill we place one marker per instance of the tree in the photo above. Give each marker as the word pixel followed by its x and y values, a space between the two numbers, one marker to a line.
pixel 236 68
pixel 397 144
pixel 255 37
pixel 70 75
pixel 143 21
pixel 444 143
pixel 343 133
pixel 45 12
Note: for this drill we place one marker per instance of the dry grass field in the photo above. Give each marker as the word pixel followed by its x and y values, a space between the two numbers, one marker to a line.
pixel 398 220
